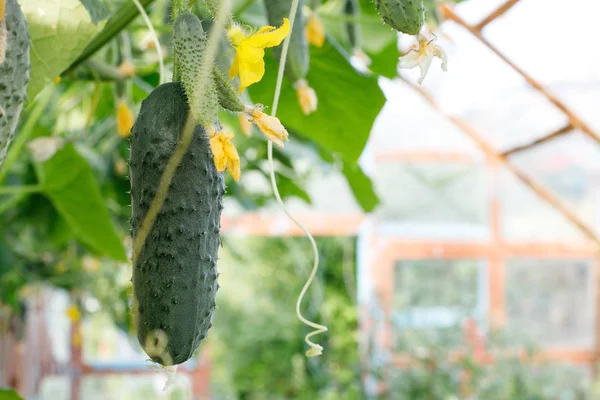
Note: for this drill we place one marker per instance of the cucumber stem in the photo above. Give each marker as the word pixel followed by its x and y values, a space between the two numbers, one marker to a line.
pixel 20 190
pixel 180 7
pixel 213 7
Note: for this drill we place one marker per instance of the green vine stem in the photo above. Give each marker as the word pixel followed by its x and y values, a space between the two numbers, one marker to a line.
pixel 20 190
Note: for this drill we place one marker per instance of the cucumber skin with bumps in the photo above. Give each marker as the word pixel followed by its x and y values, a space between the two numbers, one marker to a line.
pixel 189 40
pixel 175 274
pixel 298 58
pixel 14 74
pixel 407 16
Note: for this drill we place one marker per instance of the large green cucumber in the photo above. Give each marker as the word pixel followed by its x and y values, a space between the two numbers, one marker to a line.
pixel 175 274
pixel 407 16
pixel 14 72
pixel 296 66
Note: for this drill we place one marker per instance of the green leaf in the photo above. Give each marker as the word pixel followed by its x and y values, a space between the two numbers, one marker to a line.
pixel 59 31
pixel 361 185
pixel 98 11
pixel 385 62
pixel 348 102
pixel 69 183
pixel 9 394
pixel 288 188
pixel 116 23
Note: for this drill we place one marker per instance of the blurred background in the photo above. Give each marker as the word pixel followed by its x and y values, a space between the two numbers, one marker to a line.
pixel 459 254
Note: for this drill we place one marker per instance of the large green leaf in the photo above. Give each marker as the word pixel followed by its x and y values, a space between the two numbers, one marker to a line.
pixel 348 102
pixel 385 62
pixel 98 11
pixel 59 31
pixel 361 186
pixel 69 183
pixel 9 394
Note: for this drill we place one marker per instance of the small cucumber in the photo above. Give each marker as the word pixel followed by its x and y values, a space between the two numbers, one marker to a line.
pixel 189 40
pixel 298 58
pixel 14 72
pixel 175 274
pixel 407 16
pixel 228 97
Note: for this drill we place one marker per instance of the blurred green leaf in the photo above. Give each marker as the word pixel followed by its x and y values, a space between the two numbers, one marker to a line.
pixel 348 102
pixel 9 394
pixel 115 24
pixel 361 185
pixel 59 30
pixel 98 11
pixel 288 188
pixel 385 62
pixel 69 183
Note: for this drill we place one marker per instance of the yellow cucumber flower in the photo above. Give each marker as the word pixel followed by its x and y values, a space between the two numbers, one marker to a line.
pixel 271 127
pixel 307 98
pixel 250 51
pixel 315 32
pixel 423 55
pixel 225 153
pixel 124 119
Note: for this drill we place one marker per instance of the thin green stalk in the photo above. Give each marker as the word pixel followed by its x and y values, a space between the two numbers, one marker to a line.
pixel 17 145
pixel 13 201
pixel 154 36
pixel 179 7
pixel 16 190
pixel 244 7
pixel 315 349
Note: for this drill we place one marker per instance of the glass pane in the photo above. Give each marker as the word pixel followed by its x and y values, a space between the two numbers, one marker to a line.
pixel 475 74
pixel 551 302
pixel 583 99
pixel 535 43
pixel 474 11
pixel 432 298
pixel 525 217
pixel 451 199
pixel 436 283
pixel 568 166
pixel 514 116
pixel 409 123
